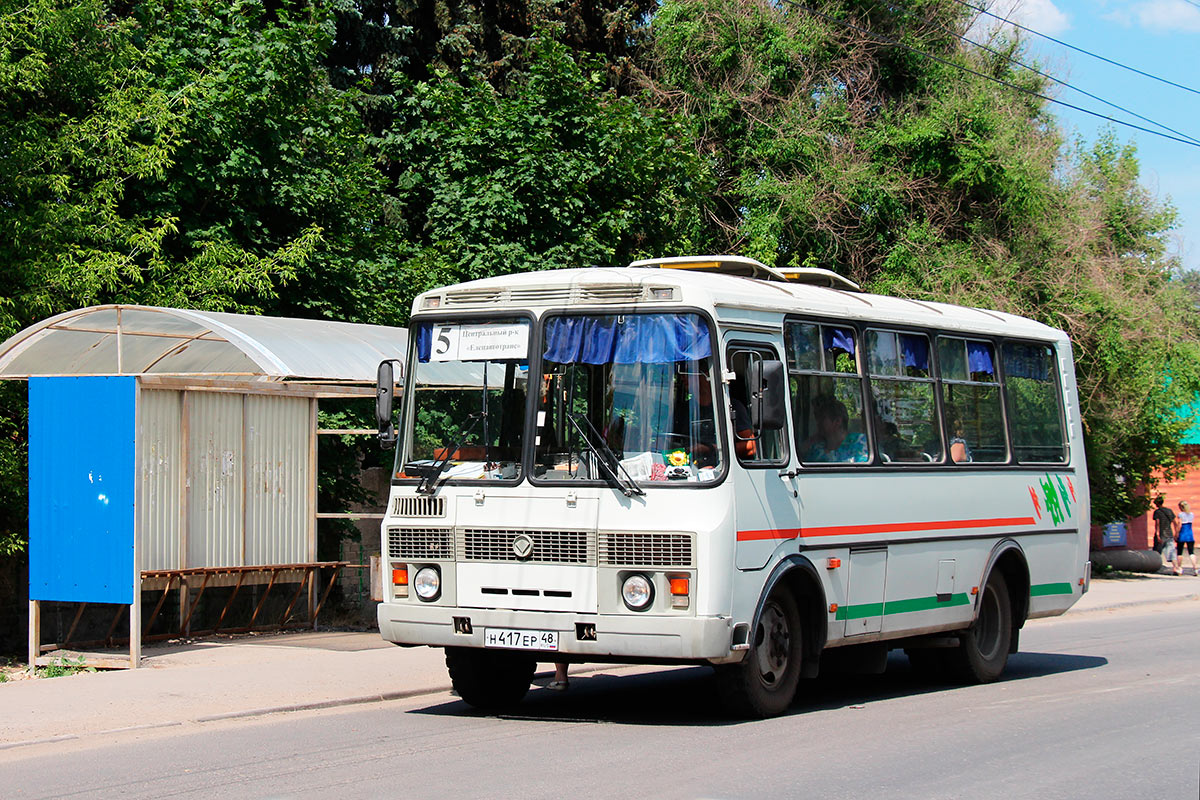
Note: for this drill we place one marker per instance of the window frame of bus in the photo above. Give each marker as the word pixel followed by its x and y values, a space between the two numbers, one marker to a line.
pixel 943 382
pixel 1056 380
pixel 714 381
pixel 409 399
pixel 762 349
pixel 933 381
pixel 856 327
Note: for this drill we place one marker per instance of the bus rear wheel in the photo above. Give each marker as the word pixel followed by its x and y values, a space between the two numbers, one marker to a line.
pixel 983 648
pixel 764 683
pixel 489 679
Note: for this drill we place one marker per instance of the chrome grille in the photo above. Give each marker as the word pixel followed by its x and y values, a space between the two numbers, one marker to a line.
pixel 549 547
pixel 646 549
pixel 426 544
pixel 419 507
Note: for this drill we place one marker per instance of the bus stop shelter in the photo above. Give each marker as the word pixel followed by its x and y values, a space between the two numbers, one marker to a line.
pixel 171 448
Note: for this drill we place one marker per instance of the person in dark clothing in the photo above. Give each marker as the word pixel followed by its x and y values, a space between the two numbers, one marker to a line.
pixel 1164 532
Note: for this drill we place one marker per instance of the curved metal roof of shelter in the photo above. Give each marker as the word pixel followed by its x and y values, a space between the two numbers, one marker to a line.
pixel 145 340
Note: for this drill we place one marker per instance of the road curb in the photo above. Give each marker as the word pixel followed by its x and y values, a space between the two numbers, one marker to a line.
pixel 317 705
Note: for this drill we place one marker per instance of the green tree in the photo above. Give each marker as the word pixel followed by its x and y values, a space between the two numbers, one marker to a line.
pixel 562 173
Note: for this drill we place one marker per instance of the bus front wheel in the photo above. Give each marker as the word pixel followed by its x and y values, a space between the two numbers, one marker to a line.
pixel 764 683
pixel 489 679
pixel 983 648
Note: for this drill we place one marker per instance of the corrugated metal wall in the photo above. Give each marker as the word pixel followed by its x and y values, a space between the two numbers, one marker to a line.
pixel 225 479
pixel 277 479
pixel 160 476
pixel 214 494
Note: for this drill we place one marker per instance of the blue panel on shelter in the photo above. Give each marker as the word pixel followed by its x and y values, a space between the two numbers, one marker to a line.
pixel 82 488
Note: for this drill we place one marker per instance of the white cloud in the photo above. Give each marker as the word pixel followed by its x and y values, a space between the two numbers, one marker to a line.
pixel 1039 15
pixel 1168 16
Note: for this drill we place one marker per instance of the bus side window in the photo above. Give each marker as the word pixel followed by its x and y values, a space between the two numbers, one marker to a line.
pixel 827 401
pixel 971 400
pixel 902 397
pixel 751 446
pixel 1034 403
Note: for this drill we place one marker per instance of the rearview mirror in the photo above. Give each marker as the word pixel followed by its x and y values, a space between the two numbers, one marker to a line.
pixel 768 395
pixel 385 384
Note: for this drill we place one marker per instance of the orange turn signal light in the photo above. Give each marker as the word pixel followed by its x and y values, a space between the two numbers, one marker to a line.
pixel 974 590
pixel 833 608
pixel 679 584
pixel 400 576
pixel 833 563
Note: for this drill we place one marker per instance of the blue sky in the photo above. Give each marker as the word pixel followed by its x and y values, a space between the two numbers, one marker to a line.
pixel 1161 37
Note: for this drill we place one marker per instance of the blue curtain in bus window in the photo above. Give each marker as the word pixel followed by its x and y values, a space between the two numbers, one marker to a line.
pixel 632 339
pixel 915 351
pixel 424 341
pixel 839 339
pixel 979 359
pixel 1024 361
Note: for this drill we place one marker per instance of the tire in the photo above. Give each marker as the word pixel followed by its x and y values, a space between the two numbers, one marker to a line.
pixel 764 683
pixel 983 648
pixel 489 680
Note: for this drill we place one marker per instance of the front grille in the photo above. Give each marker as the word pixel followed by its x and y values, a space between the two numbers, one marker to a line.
pixel 549 547
pixel 419 507
pixel 646 549
pixel 423 544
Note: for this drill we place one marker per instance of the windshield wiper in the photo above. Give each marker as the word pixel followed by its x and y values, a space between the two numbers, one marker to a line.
pixel 606 459
pixel 430 472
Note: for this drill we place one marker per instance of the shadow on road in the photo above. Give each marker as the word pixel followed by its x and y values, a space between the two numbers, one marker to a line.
pixel 688 696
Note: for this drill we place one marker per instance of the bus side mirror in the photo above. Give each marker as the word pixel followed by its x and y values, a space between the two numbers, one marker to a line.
pixel 768 395
pixel 384 394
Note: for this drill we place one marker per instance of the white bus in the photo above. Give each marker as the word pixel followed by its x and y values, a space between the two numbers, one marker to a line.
pixel 709 461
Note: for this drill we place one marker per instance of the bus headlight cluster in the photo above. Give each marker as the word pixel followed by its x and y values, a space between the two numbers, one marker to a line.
pixel 638 592
pixel 427 583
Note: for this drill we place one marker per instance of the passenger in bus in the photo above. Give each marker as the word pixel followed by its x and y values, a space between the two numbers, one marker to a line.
pixel 960 451
pixel 833 440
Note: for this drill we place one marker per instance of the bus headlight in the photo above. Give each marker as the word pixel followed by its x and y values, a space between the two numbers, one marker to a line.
pixel 427 583
pixel 638 592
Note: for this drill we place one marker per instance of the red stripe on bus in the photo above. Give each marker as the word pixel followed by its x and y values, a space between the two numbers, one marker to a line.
pixel 887 527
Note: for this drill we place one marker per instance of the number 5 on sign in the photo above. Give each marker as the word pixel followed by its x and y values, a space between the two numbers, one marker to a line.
pixel 445 343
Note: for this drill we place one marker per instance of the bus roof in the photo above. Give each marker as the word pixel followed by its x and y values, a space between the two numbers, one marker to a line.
pixel 732 296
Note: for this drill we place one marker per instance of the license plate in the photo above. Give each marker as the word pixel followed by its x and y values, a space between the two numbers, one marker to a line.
pixel 510 639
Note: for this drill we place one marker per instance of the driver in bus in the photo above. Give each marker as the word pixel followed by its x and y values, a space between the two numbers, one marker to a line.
pixel 704 446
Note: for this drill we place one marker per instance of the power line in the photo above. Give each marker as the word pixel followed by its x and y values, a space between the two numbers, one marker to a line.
pixel 896 43
pixel 1061 82
pixel 1077 49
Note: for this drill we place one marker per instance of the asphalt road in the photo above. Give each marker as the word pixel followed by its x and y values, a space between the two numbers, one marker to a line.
pixel 1097 705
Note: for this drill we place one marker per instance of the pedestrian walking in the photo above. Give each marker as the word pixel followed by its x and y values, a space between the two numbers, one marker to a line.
pixel 1185 538
pixel 1164 532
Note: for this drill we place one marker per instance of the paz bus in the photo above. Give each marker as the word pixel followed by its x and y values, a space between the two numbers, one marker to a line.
pixel 707 460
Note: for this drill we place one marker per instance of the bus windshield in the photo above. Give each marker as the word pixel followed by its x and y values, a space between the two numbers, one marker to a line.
pixel 469 387
pixel 635 389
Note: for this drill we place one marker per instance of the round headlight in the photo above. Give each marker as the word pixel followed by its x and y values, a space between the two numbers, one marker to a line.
pixel 637 592
pixel 427 583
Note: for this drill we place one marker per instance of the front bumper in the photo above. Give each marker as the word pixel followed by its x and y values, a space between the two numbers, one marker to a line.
pixel 617 635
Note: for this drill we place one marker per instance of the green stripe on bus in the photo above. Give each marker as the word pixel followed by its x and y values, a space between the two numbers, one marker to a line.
pixel 1043 589
pixel 900 606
